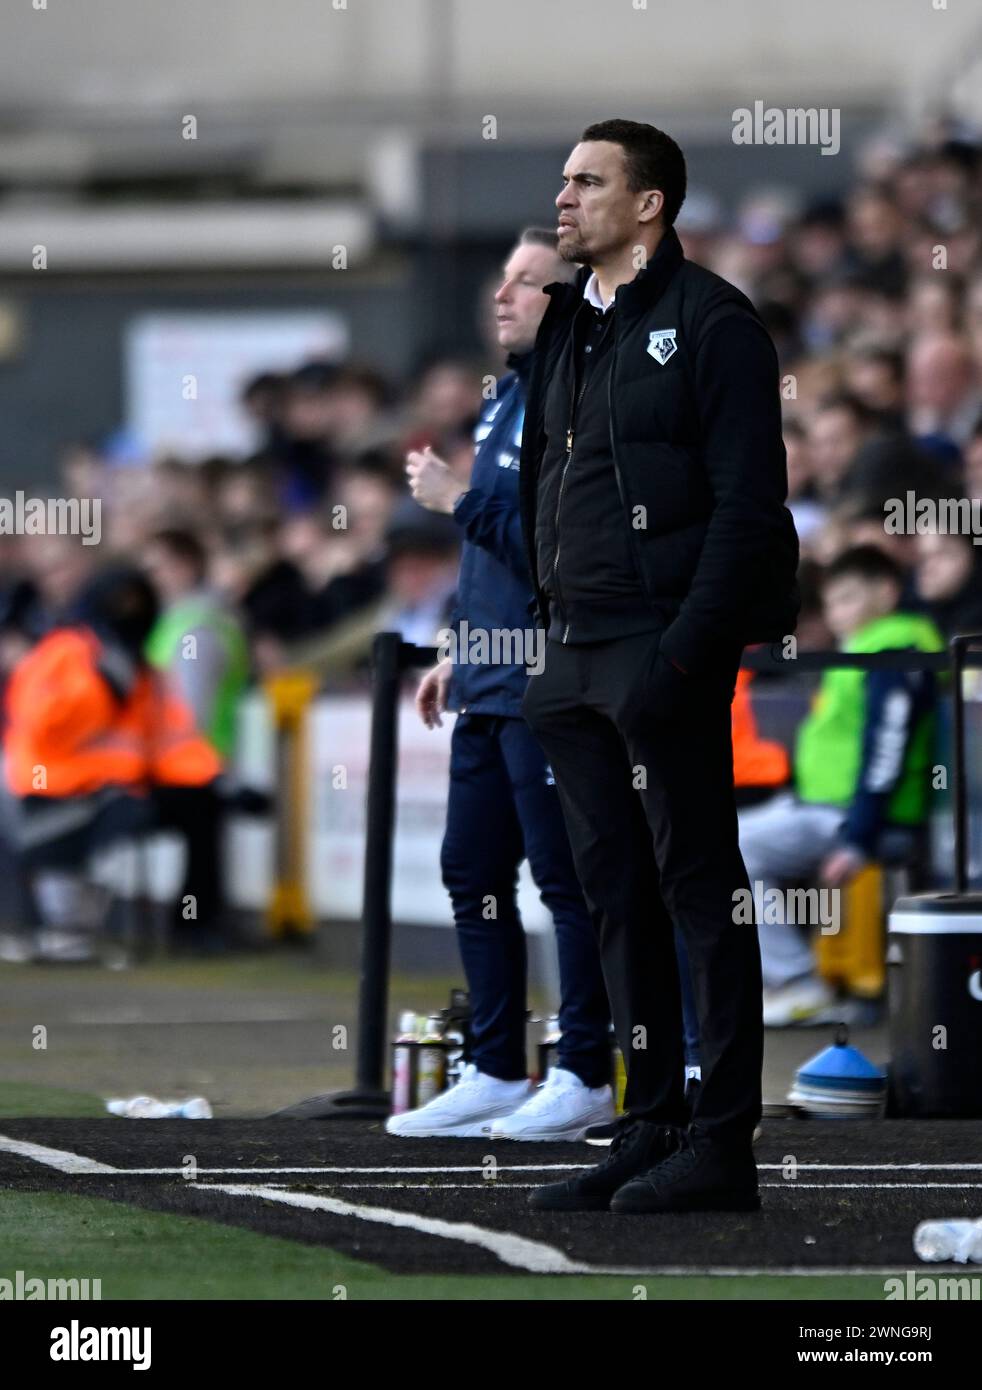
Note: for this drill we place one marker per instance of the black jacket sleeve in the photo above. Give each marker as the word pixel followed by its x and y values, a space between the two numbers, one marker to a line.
pixel 736 385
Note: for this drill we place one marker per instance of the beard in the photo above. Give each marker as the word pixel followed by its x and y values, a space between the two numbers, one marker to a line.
pixel 574 250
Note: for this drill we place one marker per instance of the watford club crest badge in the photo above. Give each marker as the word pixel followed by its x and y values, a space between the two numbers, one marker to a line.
pixel 661 344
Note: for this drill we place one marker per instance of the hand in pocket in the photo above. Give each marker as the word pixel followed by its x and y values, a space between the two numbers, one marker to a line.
pixel 669 689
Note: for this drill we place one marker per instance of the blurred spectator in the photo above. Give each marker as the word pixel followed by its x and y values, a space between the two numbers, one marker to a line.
pixel 973 318
pixel 360 398
pixel 97 751
pixel 57 567
pixel 249 572
pixel 698 224
pixel 832 311
pixel 195 639
pixel 812 630
pixel 342 555
pixel 973 461
pixel 246 492
pixel 304 447
pixel 201 647
pixel 875 235
pixel 874 375
pixel 935 304
pixel 760 765
pixel 836 430
pixel 948 581
pixel 807 511
pixel 82 469
pixel 864 525
pixel 890 465
pixel 421 573
pixel 861 765
pixel 446 402
pixel 943 388
pixel 817 242
pixel 262 401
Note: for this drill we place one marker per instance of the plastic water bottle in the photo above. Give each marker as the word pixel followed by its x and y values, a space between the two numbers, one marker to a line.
pixel 138 1108
pixel 404 1056
pixel 956 1240
pixel 150 1108
pixel 197 1108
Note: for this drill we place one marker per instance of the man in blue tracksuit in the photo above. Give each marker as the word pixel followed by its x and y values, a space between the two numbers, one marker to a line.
pixel 503 805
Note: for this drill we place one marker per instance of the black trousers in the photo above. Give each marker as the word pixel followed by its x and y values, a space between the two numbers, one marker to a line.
pixel 649 808
pixel 196 814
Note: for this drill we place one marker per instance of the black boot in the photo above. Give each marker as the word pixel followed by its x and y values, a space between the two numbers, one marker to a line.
pixel 701 1175
pixel 633 1150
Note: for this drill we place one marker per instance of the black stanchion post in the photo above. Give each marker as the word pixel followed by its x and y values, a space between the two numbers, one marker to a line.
pixel 959 779
pixel 369 1099
pixel 376 932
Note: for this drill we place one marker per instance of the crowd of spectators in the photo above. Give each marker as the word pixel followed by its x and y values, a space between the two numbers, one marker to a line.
pixel 874 300
pixel 311 529
pixel 875 303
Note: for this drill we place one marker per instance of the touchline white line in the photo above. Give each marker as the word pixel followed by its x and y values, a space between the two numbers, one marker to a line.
pixel 531 1186
pixel 61 1159
pixel 512 1250
pixel 69 1162
pixel 258 1172
pixel 516 1251
pixel 792 1184
pixel 436 1169
pixel 877 1167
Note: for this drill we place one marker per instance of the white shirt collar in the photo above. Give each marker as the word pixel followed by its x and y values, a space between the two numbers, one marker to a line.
pixel 591 293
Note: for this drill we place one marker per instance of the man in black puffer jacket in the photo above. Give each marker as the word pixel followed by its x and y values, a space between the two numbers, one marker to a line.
pixel 653 483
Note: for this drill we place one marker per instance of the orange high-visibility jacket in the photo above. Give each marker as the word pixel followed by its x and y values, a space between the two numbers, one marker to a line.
pixel 67 735
pixel 757 762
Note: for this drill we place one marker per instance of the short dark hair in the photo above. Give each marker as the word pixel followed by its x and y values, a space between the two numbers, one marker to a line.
pixel 866 562
pixel 885 353
pixel 652 159
pixel 861 413
pixel 182 545
pixel 261 384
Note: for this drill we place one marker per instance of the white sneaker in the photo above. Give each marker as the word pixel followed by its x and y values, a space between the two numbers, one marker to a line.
pixel 804 1002
pixel 69 947
pixel 17 948
pixel 463 1112
pixel 561 1108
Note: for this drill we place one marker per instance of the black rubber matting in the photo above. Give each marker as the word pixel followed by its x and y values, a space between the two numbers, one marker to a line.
pixel 836 1195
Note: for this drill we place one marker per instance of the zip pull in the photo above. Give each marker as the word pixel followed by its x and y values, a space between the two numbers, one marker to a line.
pixel 569 441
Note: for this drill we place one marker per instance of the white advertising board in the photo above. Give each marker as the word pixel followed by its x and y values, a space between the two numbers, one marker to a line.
pixel 184 372
pixel 337 785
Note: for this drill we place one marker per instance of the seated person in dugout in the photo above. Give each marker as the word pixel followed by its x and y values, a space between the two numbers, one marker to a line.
pixel 98 750
pixel 861 774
